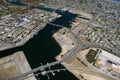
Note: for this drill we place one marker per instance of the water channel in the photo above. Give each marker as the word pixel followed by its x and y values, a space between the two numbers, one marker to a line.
pixel 42 48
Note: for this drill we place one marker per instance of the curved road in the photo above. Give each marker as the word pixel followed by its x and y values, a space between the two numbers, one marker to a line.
pixel 80 46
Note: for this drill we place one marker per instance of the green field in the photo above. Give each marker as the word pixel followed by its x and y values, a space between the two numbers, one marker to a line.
pixel 82 1
pixel 91 56
pixel 5 12
pixel 100 30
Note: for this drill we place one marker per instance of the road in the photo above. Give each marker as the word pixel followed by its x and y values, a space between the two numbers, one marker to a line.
pixel 77 48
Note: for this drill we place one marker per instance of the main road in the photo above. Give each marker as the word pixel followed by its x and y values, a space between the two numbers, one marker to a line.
pixel 77 48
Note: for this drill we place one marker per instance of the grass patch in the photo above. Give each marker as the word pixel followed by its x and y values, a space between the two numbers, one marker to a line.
pixel 9 11
pixel 82 1
pixel 100 30
pixel 91 56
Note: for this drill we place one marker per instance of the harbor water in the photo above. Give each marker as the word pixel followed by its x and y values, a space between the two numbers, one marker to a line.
pixel 42 48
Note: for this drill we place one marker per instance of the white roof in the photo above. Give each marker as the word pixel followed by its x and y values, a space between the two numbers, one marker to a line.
pixel 110 56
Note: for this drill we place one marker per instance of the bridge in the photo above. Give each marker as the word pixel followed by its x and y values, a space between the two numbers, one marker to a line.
pixel 80 46
pixel 59 70
pixel 77 48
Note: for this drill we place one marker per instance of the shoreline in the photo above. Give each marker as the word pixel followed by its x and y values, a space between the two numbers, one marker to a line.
pixel 27 38
pixel 75 64
pixel 11 66
pixel 9 46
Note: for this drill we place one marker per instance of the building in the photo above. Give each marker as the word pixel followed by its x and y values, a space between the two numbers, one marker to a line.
pixel 108 63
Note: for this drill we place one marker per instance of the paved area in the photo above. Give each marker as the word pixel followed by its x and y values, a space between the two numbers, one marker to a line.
pixel 85 73
pixel 13 65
